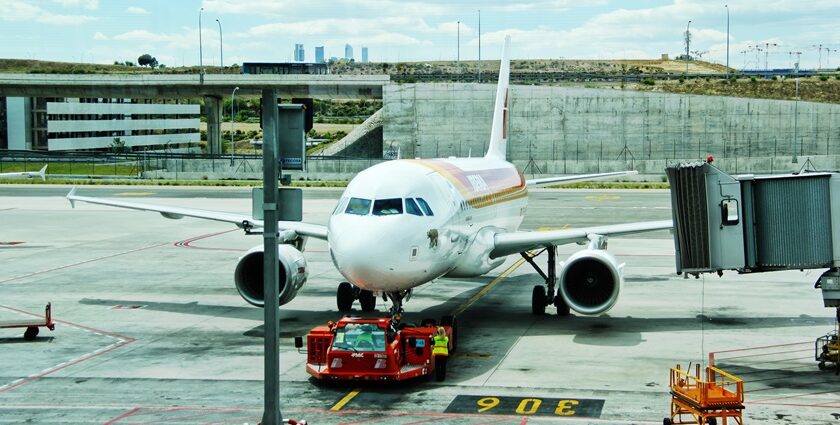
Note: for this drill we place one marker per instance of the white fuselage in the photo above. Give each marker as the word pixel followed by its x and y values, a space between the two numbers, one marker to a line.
pixel 403 223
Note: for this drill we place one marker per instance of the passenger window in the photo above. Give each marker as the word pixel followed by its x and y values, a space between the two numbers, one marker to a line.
pixel 358 206
pixel 425 207
pixel 387 206
pixel 411 207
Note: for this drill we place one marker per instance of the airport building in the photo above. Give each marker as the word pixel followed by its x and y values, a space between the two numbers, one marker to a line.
pixel 72 124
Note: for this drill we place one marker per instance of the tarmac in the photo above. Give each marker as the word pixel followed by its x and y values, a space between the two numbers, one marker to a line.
pixel 150 328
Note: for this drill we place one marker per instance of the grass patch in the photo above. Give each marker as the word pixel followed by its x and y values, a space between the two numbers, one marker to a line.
pixel 142 182
pixel 71 168
pixel 612 185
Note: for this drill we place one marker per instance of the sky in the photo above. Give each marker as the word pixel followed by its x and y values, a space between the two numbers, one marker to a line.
pixel 104 31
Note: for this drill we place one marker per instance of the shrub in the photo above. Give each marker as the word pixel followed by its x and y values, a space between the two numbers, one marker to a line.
pixel 648 81
pixel 823 77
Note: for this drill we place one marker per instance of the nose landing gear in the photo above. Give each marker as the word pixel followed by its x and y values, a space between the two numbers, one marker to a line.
pixel 347 293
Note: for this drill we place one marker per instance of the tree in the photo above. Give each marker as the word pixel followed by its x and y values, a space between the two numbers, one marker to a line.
pixel 147 59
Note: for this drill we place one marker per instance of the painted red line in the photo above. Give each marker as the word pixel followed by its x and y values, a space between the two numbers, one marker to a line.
pixel 790 386
pixel 82 262
pixel 727 366
pixel 718 359
pixel 421 422
pixel 795 396
pixel 378 418
pixel 123 416
pixel 11 243
pixel 835 406
pixel 761 347
pixel 524 420
pixel 122 341
pixel 238 420
pixel 491 422
pixel 193 416
pixel 187 243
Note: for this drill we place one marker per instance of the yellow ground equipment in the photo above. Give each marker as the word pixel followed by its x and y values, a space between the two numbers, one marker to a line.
pixel 698 401
pixel 827 348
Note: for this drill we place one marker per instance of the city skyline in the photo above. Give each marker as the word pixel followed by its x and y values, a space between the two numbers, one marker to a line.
pixel 95 31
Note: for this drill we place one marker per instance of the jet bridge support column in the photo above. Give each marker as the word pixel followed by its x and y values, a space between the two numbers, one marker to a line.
pixel 213 113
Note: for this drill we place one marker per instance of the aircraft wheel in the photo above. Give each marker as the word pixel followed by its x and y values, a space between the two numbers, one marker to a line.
pixel 344 296
pixel 30 333
pixel 821 365
pixel 452 322
pixel 562 308
pixel 367 300
pixel 538 300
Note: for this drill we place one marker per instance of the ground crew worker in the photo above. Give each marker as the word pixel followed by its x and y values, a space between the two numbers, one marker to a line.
pixel 440 351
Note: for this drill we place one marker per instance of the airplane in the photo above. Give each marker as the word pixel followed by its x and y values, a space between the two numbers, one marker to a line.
pixel 406 222
pixel 31 174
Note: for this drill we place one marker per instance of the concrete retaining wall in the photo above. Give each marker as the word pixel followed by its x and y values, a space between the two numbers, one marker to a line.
pixel 561 124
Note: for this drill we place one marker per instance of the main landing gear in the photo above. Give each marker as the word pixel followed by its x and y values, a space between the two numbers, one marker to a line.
pixel 543 296
pixel 347 293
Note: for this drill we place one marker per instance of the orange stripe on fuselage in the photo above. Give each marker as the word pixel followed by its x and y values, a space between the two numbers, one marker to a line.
pixel 503 184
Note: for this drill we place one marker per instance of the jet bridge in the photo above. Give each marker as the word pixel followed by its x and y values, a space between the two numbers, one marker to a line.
pixel 754 224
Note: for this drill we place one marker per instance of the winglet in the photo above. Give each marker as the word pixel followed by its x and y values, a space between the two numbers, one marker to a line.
pixel 70 197
pixel 499 132
pixel 42 173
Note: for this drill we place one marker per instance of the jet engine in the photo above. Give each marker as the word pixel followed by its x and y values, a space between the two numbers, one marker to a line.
pixel 590 281
pixel 249 274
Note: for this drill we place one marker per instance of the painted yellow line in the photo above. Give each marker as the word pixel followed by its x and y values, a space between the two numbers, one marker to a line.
pixel 345 400
pixel 602 197
pixel 487 288
pixel 134 193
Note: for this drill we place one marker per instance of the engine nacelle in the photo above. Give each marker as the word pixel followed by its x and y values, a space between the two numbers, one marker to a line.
pixel 590 281
pixel 249 274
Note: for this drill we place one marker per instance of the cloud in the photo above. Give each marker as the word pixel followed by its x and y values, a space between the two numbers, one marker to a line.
pixel 15 10
pixel 99 36
pixel 318 7
pixel 87 4
pixel 137 10
pixel 544 6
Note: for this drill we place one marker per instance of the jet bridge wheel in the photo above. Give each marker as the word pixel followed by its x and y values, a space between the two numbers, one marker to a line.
pixel 539 300
pixel 344 296
pixel 367 300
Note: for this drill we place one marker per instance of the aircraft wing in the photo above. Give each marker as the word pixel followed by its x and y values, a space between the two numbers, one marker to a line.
pixel 515 242
pixel 579 177
pixel 242 221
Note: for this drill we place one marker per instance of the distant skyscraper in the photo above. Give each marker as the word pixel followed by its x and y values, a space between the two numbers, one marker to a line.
pixel 348 52
pixel 364 55
pixel 319 54
pixel 299 57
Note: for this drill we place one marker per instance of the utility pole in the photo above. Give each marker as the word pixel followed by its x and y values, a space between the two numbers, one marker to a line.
pixel 458 57
pixel 221 52
pixel 479 46
pixel 200 53
pixel 232 113
pixel 767 53
pixel 819 48
pixel 727 36
pixel 795 126
pixel 687 44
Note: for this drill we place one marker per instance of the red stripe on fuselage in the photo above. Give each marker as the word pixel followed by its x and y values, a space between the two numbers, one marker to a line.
pixel 503 184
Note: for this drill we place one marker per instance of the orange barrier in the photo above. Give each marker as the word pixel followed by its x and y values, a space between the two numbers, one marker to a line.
pixel 703 401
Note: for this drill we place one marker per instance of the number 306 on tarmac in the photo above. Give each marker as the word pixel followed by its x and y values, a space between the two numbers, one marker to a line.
pixel 537 406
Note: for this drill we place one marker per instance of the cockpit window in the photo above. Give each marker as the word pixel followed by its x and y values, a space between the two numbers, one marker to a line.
pixel 425 207
pixel 411 207
pixel 358 206
pixel 387 206
pixel 341 205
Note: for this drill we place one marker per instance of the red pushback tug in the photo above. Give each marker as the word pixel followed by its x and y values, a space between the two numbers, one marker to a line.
pixel 384 349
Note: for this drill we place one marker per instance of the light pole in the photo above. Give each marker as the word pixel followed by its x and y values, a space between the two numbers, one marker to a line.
pixel 479 46
pixel 727 36
pixel 200 53
pixel 687 44
pixel 458 57
pixel 221 52
pixel 232 106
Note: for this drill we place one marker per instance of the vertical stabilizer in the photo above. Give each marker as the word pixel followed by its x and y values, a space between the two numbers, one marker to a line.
pixel 499 132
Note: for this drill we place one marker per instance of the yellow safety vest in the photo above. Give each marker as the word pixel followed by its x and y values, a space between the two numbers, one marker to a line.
pixel 441 347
